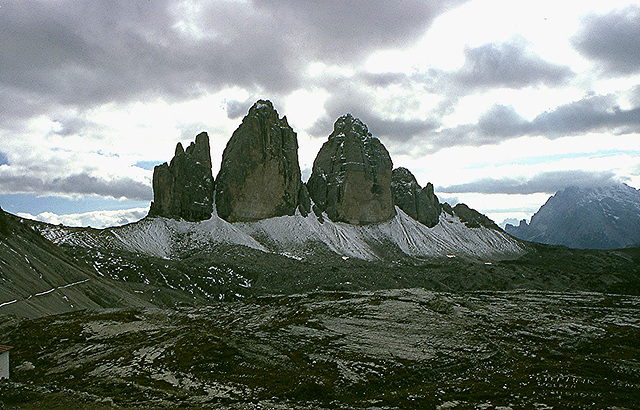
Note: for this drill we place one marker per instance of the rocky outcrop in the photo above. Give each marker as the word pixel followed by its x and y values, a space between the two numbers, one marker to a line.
pixel 351 176
pixel 473 218
pixel 304 200
pixel 419 203
pixel 184 187
pixel 260 175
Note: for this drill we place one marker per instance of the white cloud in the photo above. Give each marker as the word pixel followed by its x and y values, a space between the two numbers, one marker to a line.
pixel 95 219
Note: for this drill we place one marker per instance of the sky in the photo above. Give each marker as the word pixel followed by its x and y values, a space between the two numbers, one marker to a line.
pixel 498 103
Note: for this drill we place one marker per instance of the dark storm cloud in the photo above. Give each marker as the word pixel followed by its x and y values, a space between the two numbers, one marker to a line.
pixel 612 39
pixel 236 109
pixel 508 65
pixel 384 79
pixel 347 30
pixel 546 182
pixel 78 52
pixel 81 183
pixel 85 52
pixel 501 121
pixel 596 113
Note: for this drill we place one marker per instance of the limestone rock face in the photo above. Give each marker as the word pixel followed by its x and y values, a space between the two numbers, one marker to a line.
pixel 351 176
pixel 260 175
pixel 304 201
pixel 184 187
pixel 419 203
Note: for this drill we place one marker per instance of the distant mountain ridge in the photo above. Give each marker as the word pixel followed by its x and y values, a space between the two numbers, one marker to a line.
pixel 606 217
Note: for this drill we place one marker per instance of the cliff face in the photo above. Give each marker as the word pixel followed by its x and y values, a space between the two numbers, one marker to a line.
pixel 184 187
pixel 419 203
pixel 260 175
pixel 351 176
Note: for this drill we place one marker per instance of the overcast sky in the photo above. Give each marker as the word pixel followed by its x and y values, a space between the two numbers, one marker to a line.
pixel 498 103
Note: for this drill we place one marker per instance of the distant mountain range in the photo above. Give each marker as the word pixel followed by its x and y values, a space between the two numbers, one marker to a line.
pixel 606 217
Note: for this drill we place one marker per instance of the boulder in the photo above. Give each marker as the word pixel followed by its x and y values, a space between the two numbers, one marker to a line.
pixel 259 176
pixel 351 176
pixel 184 187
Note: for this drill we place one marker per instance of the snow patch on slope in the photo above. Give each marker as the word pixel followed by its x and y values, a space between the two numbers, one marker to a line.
pixel 165 238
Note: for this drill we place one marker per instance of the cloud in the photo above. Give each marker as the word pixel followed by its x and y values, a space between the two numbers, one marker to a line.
pixel 612 40
pixel 594 113
pixel 502 121
pixel 84 52
pixel 95 219
pixel 508 65
pixel 236 109
pixel 348 30
pixel 350 96
pixel 81 52
pixel 545 182
pixel 3 159
pixel 81 183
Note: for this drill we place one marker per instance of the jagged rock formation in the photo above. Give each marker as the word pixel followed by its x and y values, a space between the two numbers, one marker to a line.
pixel 260 175
pixel 419 203
pixel 351 176
pixel 184 188
pixel 606 217
pixel 473 218
pixel 304 201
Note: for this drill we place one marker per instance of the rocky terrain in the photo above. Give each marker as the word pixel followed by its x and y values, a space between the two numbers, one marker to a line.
pixel 598 218
pixel 389 349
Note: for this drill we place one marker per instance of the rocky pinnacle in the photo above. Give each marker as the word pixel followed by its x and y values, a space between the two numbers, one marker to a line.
pixel 184 187
pixel 259 176
pixel 419 203
pixel 351 176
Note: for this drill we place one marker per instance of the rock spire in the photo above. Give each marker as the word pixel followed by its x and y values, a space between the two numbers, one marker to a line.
pixel 184 187
pixel 351 176
pixel 419 203
pixel 260 175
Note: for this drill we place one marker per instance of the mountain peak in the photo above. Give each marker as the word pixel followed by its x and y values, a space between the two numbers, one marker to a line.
pixel 351 176
pixel 262 108
pixel 349 125
pixel 603 217
pixel 419 203
pixel 183 188
pixel 259 176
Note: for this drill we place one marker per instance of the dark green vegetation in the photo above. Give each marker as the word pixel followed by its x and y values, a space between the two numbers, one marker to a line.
pixel 388 349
